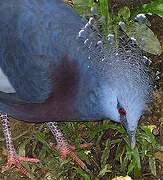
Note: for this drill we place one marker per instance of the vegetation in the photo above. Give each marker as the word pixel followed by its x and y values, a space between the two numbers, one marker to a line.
pixel 110 154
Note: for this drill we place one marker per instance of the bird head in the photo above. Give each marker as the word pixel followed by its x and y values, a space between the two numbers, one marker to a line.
pixel 124 109
pixel 128 88
pixel 124 81
pixel 129 124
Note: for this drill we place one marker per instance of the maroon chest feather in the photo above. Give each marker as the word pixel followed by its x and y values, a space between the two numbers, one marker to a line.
pixel 60 106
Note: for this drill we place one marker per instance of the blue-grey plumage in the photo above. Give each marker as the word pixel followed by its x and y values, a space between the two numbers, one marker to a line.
pixel 59 74
pixel 32 39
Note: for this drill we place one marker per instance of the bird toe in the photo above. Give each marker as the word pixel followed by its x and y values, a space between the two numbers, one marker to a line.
pixel 15 161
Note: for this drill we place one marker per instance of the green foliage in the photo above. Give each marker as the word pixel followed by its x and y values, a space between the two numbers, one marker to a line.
pixel 153 8
pixel 130 159
pixel 115 149
pixel 111 152
pixel 108 23
pixel 124 13
pixel 82 173
pixel 144 36
pixel 83 6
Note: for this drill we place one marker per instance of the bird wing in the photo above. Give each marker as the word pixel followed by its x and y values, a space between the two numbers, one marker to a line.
pixel 10 98
pixel 34 39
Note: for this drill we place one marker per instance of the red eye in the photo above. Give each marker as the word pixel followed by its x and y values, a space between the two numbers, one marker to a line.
pixel 122 111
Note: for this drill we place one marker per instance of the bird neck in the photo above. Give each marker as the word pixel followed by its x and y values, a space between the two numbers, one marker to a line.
pixel 89 98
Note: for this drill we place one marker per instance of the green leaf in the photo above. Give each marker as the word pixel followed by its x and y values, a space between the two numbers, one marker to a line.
pixel 104 8
pixel 105 169
pixel 124 13
pixel 155 7
pixel 152 165
pixel 105 154
pixel 131 167
pixel 149 136
pixel 137 157
pixel 83 6
pixel 21 148
pixel 103 127
pixel 145 37
pixel 124 164
pixel 105 16
pixel 82 173
pixel 119 153
pixel 135 165
pixel 41 137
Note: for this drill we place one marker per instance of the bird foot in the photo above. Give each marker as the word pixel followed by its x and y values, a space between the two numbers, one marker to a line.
pixel 69 151
pixel 15 161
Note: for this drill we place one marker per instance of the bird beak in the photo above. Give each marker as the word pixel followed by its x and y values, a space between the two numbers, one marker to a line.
pixel 132 139
pixel 131 134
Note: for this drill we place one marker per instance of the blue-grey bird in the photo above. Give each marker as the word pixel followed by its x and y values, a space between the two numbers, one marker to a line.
pixel 55 67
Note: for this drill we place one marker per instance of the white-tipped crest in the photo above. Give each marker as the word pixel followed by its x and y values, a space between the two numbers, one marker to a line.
pixel 124 75
pixel 141 18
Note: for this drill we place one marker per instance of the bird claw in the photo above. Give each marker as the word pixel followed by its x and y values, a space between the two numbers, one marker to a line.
pixel 69 151
pixel 66 152
pixel 15 161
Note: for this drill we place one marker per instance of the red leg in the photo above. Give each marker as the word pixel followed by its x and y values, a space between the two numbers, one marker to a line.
pixel 13 159
pixel 63 146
